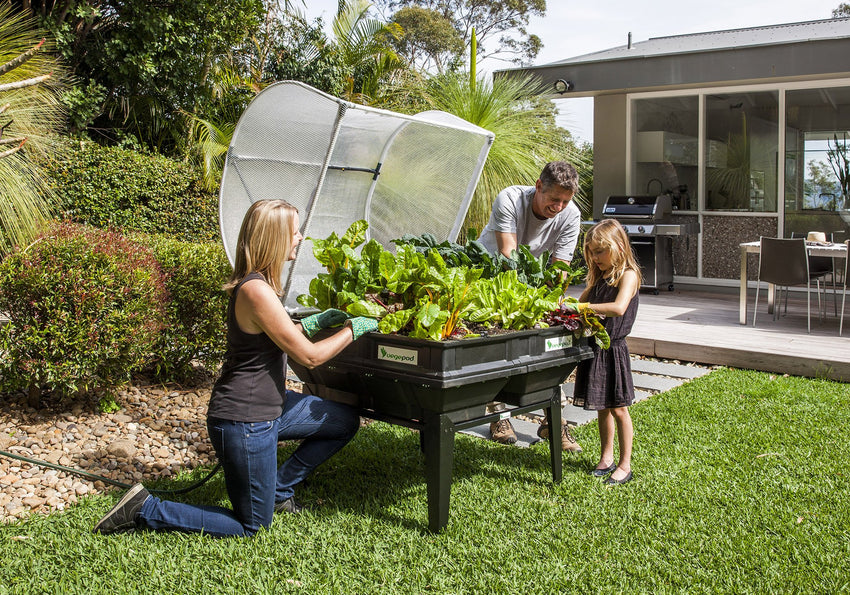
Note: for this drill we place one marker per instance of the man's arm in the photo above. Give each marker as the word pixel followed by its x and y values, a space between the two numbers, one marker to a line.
pixel 506 242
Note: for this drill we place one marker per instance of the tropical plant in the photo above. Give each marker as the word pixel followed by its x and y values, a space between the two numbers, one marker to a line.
pixel 29 113
pixel 521 120
pixel 363 43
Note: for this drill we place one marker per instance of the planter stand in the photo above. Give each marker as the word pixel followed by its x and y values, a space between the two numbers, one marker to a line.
pixel 445 387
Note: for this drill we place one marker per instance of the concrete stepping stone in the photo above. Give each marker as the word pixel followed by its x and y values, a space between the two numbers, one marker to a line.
pixel 649 377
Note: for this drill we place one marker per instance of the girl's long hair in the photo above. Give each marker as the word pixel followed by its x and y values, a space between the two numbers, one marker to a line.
pixel 609 234
pixel 265 242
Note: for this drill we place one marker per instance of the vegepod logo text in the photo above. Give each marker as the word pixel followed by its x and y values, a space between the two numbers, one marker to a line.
pixel 402 356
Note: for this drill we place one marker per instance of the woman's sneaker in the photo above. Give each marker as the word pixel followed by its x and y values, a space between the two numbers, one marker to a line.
pixel 122 517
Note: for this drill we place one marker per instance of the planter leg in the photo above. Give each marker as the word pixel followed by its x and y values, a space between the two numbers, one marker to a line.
pixel 553 412
pixel 438 438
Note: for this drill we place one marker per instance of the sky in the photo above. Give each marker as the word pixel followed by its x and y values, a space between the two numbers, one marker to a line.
pixel 572 29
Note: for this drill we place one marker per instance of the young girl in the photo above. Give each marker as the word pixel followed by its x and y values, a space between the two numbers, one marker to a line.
pixel 604 383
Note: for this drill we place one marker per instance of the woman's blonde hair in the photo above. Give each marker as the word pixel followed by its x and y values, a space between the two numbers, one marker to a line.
pixel 265 242
pixel 609 234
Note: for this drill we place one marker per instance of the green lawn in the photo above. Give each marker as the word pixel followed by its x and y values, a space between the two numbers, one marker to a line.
pixel 741 486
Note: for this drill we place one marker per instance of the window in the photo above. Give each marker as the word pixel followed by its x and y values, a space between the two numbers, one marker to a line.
pixel 665 148
pixel 817 154
pixel 741 149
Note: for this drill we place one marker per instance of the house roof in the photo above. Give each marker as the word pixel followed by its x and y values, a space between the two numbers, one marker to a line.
pixel 756 54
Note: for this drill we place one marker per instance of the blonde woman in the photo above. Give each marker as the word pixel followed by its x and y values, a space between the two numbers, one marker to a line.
pixel 250 409
pixel 604 383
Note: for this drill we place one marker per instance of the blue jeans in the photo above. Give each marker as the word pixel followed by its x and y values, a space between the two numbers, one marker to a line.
pixel 248 455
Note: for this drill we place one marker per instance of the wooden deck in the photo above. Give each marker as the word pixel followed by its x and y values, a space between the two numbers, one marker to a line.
pixel 700 324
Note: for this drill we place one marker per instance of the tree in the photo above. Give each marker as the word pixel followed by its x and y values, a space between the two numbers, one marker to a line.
pixel 842 11
pixel 139 63
pixel 500 25
pixel 30 113
pixel 429 40
pixel 820 182
pixel 838 155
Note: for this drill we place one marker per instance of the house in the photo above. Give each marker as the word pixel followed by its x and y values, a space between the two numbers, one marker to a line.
pixel 747 130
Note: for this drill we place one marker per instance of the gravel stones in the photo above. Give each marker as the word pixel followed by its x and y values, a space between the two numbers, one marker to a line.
pixel 158 432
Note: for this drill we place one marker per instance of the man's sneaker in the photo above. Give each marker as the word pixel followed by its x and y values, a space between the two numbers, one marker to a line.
pixel 568 441
pixel 289 505
pixel 122 517
pixel 502 431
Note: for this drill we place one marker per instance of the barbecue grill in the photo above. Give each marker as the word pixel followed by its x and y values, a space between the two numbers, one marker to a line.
pixel 648 223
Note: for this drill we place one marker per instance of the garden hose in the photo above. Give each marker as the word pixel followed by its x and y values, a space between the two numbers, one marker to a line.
pixel 95 477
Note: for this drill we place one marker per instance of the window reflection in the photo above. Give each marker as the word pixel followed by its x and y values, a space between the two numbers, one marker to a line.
pixel 740 151
pixel 665 149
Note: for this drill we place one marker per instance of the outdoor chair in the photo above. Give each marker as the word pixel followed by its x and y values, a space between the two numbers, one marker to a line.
pixel 784 262
pixel 844 290
pixel 819 268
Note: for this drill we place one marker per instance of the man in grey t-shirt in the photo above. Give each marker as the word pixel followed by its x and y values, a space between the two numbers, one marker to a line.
pixel 543 217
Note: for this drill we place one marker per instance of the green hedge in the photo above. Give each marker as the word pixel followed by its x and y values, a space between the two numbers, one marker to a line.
pixel 114 187
pixel 89 307
pixel 195 330
pixel 85 306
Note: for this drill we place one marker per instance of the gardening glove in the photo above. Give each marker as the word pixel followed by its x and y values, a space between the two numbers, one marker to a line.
pixel 361 325
pixel 328 318
pixel 577 307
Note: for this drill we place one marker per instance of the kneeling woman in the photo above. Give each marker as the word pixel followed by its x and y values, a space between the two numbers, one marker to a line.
pixel 250 409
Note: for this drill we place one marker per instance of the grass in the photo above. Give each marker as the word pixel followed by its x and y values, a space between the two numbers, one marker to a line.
pixel 741 486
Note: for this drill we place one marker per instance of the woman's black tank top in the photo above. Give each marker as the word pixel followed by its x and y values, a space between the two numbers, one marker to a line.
pixel 252 384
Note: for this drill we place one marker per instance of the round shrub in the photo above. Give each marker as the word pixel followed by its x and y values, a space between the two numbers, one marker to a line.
pixel 115 187
pixel 195 329
pixel 85 308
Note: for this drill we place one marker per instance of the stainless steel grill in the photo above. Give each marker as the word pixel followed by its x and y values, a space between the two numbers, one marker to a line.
pixel 647 221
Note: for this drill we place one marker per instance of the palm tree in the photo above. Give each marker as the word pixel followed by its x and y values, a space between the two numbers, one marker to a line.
pixel 364 46
pixel 29 112
pixel 522 121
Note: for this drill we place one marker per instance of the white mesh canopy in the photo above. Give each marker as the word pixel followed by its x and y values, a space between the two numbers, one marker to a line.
pixel 339 162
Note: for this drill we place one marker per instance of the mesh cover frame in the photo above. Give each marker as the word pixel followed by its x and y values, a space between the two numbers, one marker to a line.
pixel 321 153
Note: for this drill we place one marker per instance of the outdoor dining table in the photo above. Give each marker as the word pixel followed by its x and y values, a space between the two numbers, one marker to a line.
pixel 813 248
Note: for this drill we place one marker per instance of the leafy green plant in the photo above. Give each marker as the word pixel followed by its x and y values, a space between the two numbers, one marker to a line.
pixel 531 270
pixel 195 323
pixel 512 304
pixel 422 294
pixel 85 308
pixel 109 186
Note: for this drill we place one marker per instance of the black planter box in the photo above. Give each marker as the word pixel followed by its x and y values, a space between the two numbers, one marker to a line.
pixel 440 387
pixel 406 377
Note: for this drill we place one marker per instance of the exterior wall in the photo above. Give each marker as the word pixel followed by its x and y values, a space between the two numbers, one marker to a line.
pixel 721 257
pixel 609 149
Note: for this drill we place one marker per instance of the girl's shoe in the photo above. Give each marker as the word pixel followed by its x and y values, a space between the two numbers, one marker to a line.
pixel 611 481
pixel 604 472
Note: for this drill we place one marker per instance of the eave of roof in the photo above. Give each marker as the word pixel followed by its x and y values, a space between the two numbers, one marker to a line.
pixel 775 52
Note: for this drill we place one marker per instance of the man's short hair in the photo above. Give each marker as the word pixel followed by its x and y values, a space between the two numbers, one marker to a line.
pixel 559 173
